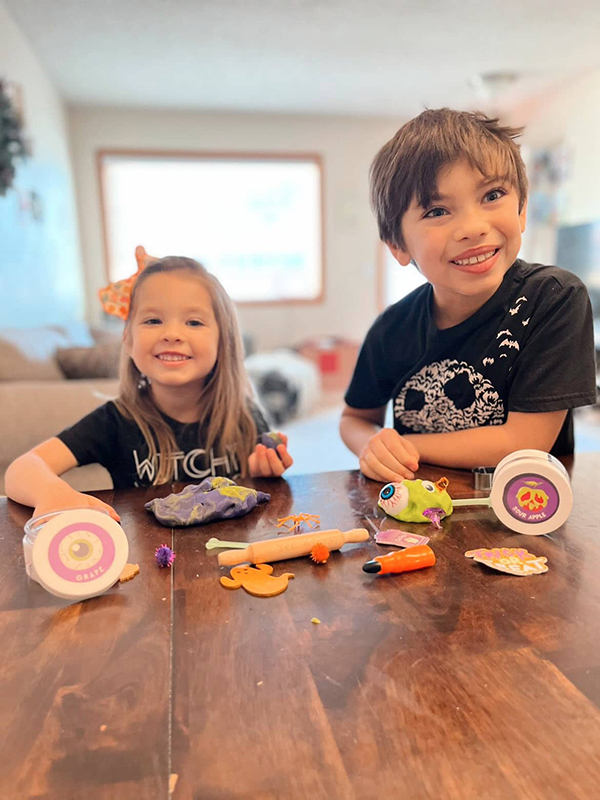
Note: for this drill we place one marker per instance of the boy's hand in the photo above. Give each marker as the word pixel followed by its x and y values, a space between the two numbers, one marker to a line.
pixel 267 462
pixel 64 498
pixel 389 457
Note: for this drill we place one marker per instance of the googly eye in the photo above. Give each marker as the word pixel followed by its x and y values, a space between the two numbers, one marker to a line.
pixel 387 491
pixel 393 498
pixel 428 485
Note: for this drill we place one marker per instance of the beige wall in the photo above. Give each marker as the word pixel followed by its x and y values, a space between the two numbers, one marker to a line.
pixel 347 146
pixel 570 116
pixel 43 253
pixel 566 118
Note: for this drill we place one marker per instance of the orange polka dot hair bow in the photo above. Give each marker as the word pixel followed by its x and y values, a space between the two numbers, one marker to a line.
pixel 116 297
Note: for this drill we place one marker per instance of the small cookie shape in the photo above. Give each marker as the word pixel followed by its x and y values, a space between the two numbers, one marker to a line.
pixel 129 572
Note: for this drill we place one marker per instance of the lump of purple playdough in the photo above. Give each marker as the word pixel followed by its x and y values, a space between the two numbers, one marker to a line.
pixel 213 499
pixel 271 439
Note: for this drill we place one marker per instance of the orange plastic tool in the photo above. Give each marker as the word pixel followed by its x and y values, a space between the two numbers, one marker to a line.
pixel 258 580
pixel 402 561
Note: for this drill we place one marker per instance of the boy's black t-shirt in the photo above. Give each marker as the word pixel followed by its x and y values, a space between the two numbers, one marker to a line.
pixel 108 438
pixel 529 348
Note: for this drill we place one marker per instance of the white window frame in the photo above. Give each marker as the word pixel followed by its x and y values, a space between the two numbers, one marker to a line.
pixel 315 234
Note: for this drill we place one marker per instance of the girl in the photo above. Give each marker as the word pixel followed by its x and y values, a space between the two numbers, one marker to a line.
pixel 185 407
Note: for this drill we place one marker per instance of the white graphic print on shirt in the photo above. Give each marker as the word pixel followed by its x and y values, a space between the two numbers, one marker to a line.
pixel 509 343
pixel 510 340
pixel 184 465
pixel 438 412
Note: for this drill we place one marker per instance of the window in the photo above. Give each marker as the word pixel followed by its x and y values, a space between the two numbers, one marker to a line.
pixel 253 221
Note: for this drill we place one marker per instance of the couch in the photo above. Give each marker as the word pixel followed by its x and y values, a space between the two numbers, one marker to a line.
pixel 38 399
pixel 52 376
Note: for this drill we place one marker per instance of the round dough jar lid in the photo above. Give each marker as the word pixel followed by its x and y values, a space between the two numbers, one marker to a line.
pixel 79 554
pixel 531 493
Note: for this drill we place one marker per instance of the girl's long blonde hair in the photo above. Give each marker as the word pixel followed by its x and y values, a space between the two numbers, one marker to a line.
pixel 226 423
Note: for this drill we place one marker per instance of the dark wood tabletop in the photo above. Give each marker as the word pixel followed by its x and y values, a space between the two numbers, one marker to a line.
pixel 451 682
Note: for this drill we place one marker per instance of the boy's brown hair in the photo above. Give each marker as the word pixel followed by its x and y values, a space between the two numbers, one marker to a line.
pixel 407 167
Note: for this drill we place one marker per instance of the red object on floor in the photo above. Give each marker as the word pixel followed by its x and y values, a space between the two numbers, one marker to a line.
pixel 328 361
pixel 335 358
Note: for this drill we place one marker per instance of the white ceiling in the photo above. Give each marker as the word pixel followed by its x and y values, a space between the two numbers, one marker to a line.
pixel 310 56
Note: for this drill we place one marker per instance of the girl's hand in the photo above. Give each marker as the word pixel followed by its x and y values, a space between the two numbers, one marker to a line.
pixel 266 462
pixel 65 497
pixel 389 457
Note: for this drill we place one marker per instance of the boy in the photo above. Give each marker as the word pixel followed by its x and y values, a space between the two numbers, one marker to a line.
pixel 492 354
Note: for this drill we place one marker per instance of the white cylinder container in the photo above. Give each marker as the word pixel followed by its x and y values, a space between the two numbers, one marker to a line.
pixel 531 492
pixel 75 554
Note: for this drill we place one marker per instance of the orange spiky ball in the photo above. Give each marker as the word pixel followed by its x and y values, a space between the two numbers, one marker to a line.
pixel 319 553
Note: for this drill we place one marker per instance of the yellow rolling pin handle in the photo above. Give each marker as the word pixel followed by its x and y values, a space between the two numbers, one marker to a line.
pixel 291 546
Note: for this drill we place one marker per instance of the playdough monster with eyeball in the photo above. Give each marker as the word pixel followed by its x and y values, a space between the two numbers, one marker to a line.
pixel 416 501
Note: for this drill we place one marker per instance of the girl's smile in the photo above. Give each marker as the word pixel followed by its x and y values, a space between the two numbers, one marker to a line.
pixel 172 359
pixel 173 338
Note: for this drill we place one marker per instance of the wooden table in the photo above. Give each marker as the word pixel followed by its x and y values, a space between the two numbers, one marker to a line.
pixel 451 682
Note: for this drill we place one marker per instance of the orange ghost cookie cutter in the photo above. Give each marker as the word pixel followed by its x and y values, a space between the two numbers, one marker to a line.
pixel 258 580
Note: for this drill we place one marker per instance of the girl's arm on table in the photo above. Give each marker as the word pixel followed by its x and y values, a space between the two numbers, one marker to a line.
pixel 33 480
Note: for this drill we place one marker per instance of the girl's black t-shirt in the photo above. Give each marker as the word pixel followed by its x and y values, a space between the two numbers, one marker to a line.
pixel 108 438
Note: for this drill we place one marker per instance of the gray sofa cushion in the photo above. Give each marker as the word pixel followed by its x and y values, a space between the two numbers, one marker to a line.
pixel 101 361
pixel 31 412
pixel 29 354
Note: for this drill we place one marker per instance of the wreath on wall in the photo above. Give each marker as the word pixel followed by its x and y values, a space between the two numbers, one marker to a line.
pixel 12 144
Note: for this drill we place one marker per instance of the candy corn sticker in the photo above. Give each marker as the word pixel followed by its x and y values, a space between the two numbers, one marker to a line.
pixel 514 560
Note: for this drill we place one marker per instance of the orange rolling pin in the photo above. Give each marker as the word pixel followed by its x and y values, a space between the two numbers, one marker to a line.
pixel 291 546
pixel 402 561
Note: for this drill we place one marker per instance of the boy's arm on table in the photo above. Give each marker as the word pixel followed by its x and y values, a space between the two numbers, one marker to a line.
pixel 386 456
pixel 33 480
pixel 486 446
pixel 383 454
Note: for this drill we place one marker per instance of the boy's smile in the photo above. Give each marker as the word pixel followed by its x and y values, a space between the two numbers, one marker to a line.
pixel 465 241
pixel 477 260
